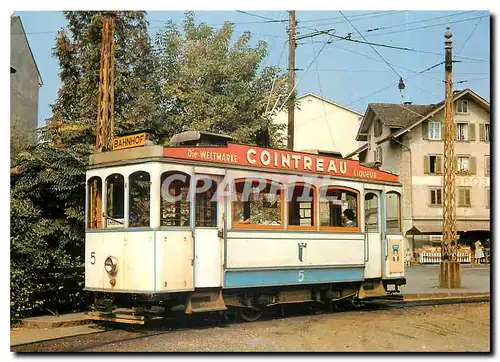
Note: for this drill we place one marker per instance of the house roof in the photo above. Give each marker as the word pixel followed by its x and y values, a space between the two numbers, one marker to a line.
pixel 401 115
pixel 440 106
pixel 393 115
pixel 332 103
pixel 358 150
pixel 12 21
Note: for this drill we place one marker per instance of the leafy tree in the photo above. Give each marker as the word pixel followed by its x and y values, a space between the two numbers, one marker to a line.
pixel 48 179
pixel 78 53
pixel 210 83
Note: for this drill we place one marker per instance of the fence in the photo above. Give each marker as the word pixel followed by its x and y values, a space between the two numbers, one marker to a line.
pixel 434 257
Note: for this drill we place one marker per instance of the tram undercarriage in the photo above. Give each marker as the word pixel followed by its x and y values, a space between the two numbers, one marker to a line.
pixel 248 304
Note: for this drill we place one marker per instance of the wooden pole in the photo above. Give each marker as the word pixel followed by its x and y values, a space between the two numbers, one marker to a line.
pixel 449 276
pixel 291 79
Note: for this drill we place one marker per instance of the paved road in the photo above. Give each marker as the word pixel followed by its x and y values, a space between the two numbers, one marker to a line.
pixel 425 279
pixel 451 328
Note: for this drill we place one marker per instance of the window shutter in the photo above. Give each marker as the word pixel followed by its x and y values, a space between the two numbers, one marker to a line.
pixel 433 200
pixel 439 164
pixel 467 197
pixel 472 165
pixel 426 164
pixel 487 166
pixel 425 130
pixel 482 132
pixel 442 131
pixel 460 197
pixel 472 132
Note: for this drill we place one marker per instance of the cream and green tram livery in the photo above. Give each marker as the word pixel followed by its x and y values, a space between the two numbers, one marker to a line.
pixel 212 226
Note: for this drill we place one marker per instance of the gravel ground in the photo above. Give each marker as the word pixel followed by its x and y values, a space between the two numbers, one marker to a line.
pixel 447 328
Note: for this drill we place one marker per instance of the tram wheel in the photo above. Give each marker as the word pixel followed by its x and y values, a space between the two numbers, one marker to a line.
pixel 250 314
pixel 317 308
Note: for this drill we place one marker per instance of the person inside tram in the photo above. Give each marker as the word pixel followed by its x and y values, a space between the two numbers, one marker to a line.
pixel 348 218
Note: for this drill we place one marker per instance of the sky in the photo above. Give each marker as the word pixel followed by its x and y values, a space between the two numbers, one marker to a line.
pixel 345 72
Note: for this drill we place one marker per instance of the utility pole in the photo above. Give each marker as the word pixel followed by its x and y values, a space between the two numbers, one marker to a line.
pixel 291 78
pixel 105 114
pixel 449 274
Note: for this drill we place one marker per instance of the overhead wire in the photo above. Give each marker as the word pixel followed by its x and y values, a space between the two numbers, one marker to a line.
pixel 357 19
pixel 416 21
pixel 470 35
pixel 375 50
pixel 351 16
pixel 427 26
pixel 323 103
pixel 381 90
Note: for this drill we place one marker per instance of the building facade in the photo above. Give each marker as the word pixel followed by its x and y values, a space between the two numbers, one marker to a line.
pixel 25 81
pixel 408 140
pixel 322 125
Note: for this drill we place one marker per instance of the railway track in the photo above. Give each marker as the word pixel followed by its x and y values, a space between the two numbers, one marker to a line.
pixel 117 333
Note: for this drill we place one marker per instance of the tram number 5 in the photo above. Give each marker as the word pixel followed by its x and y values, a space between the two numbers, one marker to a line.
pixel 301 276
pixel 92 258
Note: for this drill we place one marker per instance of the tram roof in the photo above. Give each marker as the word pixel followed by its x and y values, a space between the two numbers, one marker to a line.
pixel 247 157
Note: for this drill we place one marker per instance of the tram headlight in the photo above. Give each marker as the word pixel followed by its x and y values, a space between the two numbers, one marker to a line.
pixel 110 264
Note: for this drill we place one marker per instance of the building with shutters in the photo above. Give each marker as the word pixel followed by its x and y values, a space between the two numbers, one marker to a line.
pixel 407 139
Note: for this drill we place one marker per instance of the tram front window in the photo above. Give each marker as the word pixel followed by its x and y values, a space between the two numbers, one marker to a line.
pixel 115 200
pixel 94 212
pixel 257 204
pixel 139 199
pixel 175 205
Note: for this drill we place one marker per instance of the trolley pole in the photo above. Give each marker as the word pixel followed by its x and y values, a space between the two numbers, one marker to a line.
pixel 449 274
pixel 291 78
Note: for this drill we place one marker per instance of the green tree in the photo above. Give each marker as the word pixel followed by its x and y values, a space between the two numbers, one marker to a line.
pixel 48 179
pixel 78 52
pixel 210 83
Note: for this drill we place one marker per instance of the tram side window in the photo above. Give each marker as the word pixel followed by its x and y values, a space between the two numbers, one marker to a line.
pixel 339 208
pixel 371 212
pixel 257 203
pixel 206 203
pixel 115 200
pixel 175 205
pixel 301 208
pixel 139 199
pixel 94 212
pixel 393 212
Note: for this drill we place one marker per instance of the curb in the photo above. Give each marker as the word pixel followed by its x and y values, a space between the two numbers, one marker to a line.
pixel 444 298
pixel 28 341
pixel 51 322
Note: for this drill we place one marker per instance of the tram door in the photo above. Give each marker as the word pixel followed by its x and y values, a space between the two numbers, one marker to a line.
pixel 373 235
pixel 208 242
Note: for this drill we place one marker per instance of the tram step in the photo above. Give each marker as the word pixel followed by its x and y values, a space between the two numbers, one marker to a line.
pixel 209 301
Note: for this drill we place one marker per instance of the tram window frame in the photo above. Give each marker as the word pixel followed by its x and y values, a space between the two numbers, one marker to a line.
pixel 313 209
pixel 322 201
pixel 247 206
pixel 391 230
pixel 98 205
pixel 131 185
pixel 372 229
pixel 208 206
pixel 182 203
pixel 112 213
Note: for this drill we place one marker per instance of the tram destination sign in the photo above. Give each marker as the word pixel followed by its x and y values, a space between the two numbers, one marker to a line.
pixel 266 158
pixel 134 140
